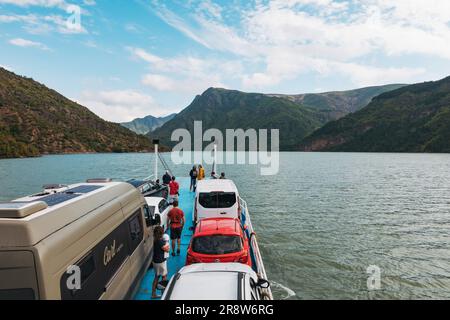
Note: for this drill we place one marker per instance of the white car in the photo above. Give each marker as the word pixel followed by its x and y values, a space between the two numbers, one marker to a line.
pixel 216 199
pixel 215 281
pixel 159 207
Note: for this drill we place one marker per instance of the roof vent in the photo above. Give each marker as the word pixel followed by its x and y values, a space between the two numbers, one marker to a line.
pixel 54 186
pixel 17 210
pixel 99 180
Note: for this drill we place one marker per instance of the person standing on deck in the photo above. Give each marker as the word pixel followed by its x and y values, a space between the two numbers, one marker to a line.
pixel 194 175
pixel 159 260
pixel 201 173
pixel 222 176
pixel 174 190
pixel 166 178
pixel 176 223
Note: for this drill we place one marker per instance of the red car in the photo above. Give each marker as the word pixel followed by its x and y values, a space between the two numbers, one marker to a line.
pixel 219 240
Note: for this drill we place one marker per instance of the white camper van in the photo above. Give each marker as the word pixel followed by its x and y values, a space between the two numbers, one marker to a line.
pixel 216 199
pixel 86 241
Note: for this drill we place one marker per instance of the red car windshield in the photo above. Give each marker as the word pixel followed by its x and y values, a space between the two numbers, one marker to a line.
pixel 217 244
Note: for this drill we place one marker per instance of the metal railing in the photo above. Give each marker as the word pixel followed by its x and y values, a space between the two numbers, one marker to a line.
pixel 149 178
pixel 254 244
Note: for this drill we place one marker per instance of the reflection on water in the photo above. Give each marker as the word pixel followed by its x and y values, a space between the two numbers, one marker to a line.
pixel 322 221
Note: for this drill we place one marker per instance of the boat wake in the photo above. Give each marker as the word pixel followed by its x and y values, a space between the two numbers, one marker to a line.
pixel 283 291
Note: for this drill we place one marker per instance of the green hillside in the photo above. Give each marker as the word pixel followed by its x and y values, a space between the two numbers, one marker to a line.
pixel 415 118
pixel 35 120
pixel 338 104
pixel 227 109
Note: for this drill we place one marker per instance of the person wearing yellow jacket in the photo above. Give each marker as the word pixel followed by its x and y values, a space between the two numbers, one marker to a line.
pixel 201 173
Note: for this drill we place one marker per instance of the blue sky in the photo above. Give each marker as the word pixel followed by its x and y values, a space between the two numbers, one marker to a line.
pixel 131 58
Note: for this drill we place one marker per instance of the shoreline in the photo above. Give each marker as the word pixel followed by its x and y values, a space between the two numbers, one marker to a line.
pixel 164 152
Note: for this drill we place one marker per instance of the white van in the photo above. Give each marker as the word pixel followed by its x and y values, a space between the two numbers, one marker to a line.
pixel 216 199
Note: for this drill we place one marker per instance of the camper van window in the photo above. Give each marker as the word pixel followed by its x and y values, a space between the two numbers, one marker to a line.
pixel 136 231
pixel 214 200
pixel 101 264
pixel 87 268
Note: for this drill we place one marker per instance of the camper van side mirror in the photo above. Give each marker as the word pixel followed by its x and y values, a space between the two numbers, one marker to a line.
pixel 149 215
pixel 156 221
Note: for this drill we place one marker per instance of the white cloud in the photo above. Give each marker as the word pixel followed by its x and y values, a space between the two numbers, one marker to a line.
pixel 38 3
pixel 41 24
pixel 120 105
pixel 159 82
pixel 31 23
pixel 7 68
pixel 8 19
pixel 370 76
pixel 63 23
pixel 19 42
pixel 280 40
pixel 46 3
pixel 185 74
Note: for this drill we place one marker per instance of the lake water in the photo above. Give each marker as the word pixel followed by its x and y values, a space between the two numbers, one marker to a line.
pixel 321 222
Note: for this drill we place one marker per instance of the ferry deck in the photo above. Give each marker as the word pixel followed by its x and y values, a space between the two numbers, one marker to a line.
pixel 174 264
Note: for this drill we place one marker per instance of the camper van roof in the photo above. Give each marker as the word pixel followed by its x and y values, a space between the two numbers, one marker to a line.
pixel 29 220
pixel 216 185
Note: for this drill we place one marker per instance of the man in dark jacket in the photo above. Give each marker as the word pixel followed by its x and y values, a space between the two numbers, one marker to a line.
pixel 193 174
pixel 167 178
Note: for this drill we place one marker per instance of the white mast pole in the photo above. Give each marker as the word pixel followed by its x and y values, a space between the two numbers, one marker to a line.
pixel 215 158
pixel 156 144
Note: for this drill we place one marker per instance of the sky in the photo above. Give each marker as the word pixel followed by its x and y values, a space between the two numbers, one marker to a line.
pixel 125 59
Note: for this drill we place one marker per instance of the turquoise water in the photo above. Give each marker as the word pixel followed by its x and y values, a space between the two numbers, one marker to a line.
pixel 321 222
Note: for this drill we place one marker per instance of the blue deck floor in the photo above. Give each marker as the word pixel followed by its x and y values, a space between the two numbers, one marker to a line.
pixel 174 264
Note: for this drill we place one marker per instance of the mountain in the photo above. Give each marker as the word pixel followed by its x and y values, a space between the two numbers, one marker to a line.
pixel 338 104
pixel 295 115
pixel 36 120
pixel 147 124
pixel 229 109
pixel 415 118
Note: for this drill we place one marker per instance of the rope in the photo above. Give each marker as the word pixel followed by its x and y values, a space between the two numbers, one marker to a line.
pixel 165 165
